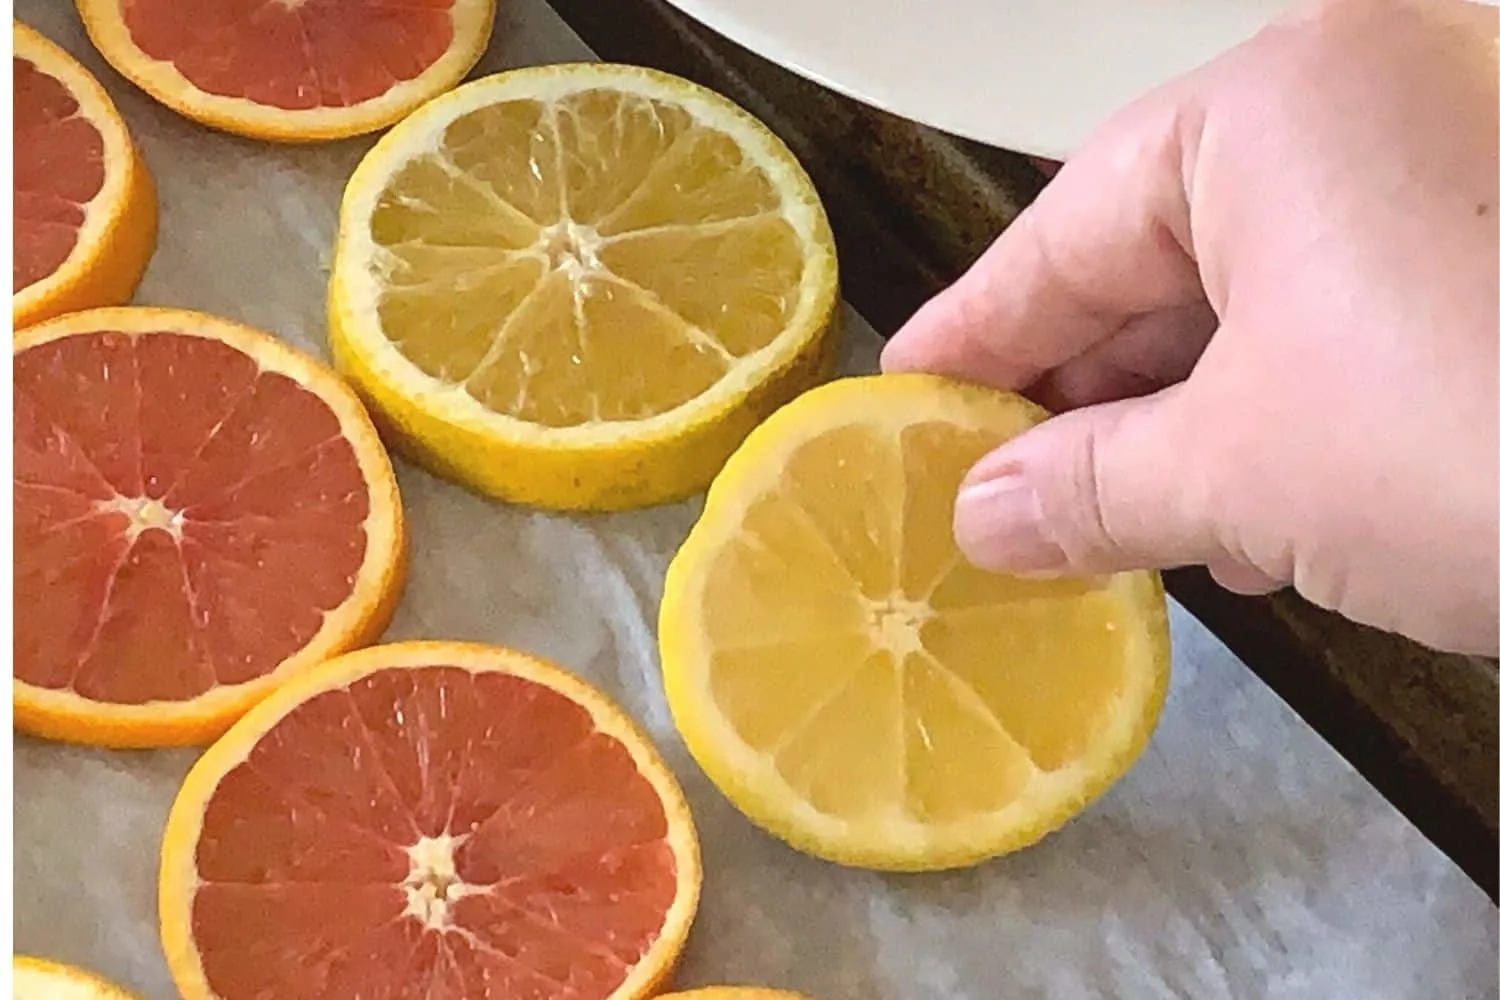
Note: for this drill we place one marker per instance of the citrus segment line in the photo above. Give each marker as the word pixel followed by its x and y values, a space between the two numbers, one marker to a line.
pixel 564 207
pixel 942 576
pixel 713 228
pixel 240 399
pixel 663 160
pixel 312 451
pixel 373 752
pixel 71 438
pixel 668 160
pixel 525 784
pixel 816 710
pixel 853 635
pixel 292 796
pixel 311 58
pixel 1015 602
pixel 692 334
pixel 91 646
pixel 484 190
pixel 804 517
pixel 67 491
pixel 501 337
pixel 196 615
pixel 474 941
pixel 459 274
pixel 555 927
pixel 53 527
pixel 558 757
pixel 976 704
pixel 751 540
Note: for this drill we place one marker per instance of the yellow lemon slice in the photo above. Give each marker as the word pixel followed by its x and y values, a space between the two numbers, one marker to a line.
pixel 42 979
pixel 581 286
pixel 852 684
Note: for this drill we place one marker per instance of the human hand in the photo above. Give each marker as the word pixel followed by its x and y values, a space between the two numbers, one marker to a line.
pixel 1269 295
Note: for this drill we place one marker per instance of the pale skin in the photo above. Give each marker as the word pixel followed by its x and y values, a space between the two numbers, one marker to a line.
pixel 1265 300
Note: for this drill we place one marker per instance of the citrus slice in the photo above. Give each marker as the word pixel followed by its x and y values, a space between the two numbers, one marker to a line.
pixel 200 513
pixel 852 684
pixel 580 286
pixel 42 979
pixel 733 993
pixel 291 70
pixel 433 820
pixel 84 222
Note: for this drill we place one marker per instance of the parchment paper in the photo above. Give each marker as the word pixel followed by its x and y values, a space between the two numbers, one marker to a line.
pixel 1241 858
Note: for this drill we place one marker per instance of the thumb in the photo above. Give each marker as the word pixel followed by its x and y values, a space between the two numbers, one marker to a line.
pixel 1100 489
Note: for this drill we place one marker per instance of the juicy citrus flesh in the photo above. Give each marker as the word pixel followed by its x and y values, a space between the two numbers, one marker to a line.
pixel 199 510
pixel 294 54
pixel 853 684
pixel 43 979
pixel 560 305
pixel 59 172
pixel 434 819
pixel 291 70
pixel 579 259
pixel 84 224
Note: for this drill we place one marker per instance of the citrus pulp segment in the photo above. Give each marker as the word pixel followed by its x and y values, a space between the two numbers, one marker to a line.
pixel 200 513
pixel 84 209
pixel 435 820
pixel 43 979
pixel 291 70
pixel 580 286
pixel 856 687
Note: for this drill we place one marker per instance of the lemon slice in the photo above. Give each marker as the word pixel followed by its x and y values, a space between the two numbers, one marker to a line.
pixel 852 684
pixel 581 286
pixel 43 979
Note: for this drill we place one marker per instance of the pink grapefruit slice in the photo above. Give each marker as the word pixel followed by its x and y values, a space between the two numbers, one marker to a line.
pixel 291 70
pixel 200 512
pixel 84 219
pixel 430 820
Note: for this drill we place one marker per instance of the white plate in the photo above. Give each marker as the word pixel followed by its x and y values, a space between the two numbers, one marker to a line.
pixel 1035 76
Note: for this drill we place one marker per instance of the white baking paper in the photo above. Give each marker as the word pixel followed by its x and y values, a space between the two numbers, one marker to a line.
pixel 1241 858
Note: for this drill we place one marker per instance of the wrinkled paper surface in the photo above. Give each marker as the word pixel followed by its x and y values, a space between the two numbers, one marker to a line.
pixel 1241 858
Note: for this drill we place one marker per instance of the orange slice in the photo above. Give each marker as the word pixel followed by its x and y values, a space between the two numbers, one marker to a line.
pixel 84 221
pixel 42 979
pixel 291 70
pixel 200 513
pixel 432 820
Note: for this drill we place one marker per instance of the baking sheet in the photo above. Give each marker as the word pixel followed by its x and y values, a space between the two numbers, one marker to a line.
pixel 1241 858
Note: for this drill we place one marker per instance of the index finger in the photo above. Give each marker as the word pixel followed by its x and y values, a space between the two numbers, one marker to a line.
pixel 1106 241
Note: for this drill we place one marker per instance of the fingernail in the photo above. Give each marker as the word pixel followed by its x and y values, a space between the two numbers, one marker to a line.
pixel 998 524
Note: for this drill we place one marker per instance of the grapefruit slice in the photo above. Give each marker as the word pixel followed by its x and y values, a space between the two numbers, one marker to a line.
pixel 42 979
pixel 200 512
pixel 291 70
pixel 84 222
pixel 434 820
